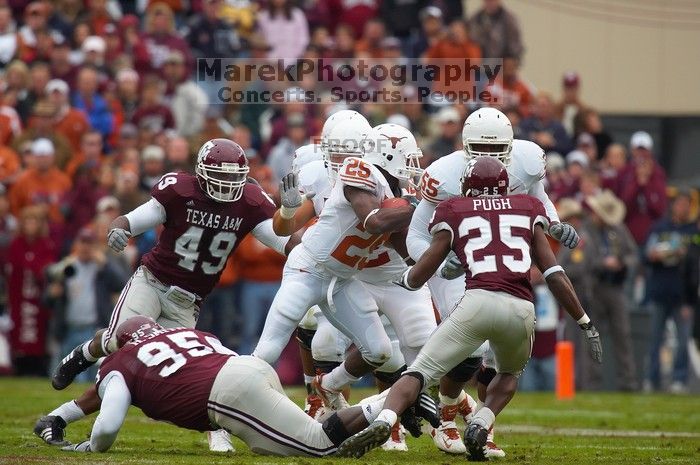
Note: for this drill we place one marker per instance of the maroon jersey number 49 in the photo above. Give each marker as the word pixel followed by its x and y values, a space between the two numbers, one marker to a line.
pixel 492 237
pixel 200 233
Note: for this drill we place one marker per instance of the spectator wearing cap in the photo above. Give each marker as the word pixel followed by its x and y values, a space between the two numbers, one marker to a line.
pixel 94 49
pixel 128 91
pixel 558 182
pixel 210 36
pixel 497 31
pixel 431 30
pixel 281 155
pixel 178 156
pixel 8 36
pixel 588 121
pixel 448 139
pixel 455 44
pixel 43 184
pixel 113 43
pixel 370 43
pixel 152 166
pixel 586 144
pixel 81 299
pixel 160 39
pixel 41 125
pixel 69 121
pixel 576 165
pixel 35 19
pixel 614 255
pixel 642 187
pixel 513 91
pixel 543 128
pixel 61 65
pixel 188 101
pixel 665 251
pixel 285 28
pixel 128 140
pixel 151 110
pixel 611 165
pixel 127 189
pixel 87 99
pixel 570 104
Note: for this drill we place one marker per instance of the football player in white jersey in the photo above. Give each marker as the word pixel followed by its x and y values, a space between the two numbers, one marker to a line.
pixel 321 270
pixel 486 132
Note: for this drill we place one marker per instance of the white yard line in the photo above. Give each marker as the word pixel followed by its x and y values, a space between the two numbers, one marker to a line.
pixel 532 429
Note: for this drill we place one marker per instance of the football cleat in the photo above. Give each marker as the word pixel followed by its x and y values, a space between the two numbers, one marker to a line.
pixel 50 429
pixel 446 437
pixel 71 366
pixel 332 400
pixel 220 441
pixel 397 440
pixel 475 440
pixel 369 438
pixel 467 408
pixel 313 406
pixel 492 450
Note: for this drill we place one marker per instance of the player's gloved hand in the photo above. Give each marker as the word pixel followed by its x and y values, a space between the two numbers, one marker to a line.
pixel 594 346
pixel 564 233
pixel 290 196
pixel 452 269
pixel 117 239
pixel 412 199
pixel 80 447
pixel 403 281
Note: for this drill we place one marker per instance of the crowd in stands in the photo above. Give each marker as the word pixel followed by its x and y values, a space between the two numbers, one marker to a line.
pixel 98 100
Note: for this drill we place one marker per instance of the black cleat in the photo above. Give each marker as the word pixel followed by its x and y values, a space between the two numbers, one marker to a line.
pixel 71 366
pixel 475 440
pixel 369 438
pixel 50 430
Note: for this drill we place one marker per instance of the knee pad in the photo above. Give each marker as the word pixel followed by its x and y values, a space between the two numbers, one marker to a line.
pixel 396 362
pixel 464 371
pixel 322 366
pixel 486 374
pixel 335 429
pixel 304 337
pixel 389 377
pixel 378 355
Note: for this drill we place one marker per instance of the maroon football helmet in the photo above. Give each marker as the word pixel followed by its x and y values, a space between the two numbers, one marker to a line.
pixel 222 169
pixel 484 176
pixel 134 328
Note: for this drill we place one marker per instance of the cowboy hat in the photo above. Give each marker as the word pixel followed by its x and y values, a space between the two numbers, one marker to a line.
pixel 569 208
pixel 608 207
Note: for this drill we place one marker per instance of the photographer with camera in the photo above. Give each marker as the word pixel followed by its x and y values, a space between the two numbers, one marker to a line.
pixel 80 290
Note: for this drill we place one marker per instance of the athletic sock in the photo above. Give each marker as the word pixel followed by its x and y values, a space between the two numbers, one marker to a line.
pixel 337 379
pixel 444 400
pixel 484 417
pixel 69 411
pixel 86 353
pixel 371 410
pixel 387 416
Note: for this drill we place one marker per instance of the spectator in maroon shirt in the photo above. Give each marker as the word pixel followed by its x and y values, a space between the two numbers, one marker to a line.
pixel 642 187
pixel 151 111
pixel 611 165
pixel 159 40
pixel 61 66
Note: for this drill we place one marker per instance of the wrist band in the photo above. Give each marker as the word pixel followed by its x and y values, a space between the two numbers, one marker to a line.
pixel 551 270
pixel 364 223
pixel 404 278
pixel 287 213
pixel 583 320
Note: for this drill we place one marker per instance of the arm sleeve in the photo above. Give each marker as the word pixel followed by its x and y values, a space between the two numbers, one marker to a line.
pixel 115 403
pixel 146 216
pixel 537 191
pixel 265 234
pixel 419 238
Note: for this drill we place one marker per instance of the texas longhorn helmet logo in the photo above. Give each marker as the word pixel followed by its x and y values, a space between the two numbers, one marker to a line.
pixel 394 140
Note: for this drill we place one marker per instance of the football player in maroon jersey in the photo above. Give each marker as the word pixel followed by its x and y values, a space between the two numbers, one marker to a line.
pixel 494 237
pixel 188 378
pixel 205 216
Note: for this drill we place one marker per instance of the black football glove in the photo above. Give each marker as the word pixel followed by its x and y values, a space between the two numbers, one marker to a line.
pixel 595 348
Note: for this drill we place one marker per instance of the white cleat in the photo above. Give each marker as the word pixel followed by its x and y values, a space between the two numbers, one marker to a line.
pixel 492 450
pixel 220 441
pixel 313 406
pixel 333 400
pixel 446 438
pixel 397 441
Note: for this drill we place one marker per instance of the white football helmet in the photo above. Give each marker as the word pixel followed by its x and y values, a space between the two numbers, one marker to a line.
pixel 394 149
pixel 344 140
pixel 305 155
pixel 332 121
pixel 487 132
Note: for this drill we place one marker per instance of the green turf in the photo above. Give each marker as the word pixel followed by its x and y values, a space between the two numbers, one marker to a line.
pixel 534 429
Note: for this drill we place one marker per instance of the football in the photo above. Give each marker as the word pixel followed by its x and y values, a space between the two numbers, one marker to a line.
pixel 394 202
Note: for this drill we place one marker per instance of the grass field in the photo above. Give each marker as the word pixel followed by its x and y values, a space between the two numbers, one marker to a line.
pixel 534 429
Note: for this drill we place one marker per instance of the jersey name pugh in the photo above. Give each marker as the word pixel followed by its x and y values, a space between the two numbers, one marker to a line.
pixel 212 220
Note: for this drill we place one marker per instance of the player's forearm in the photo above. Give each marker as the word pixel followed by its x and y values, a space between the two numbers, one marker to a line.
pixel 264 232
pixel 120 222
pixel 387 220
pixel 428 264
pixel 89 402
pixel 562 290
pixel 284 226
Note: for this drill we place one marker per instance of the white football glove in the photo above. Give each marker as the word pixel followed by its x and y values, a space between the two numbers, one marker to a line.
pixel 564 233
pixel 117 239
pixel 290 196
pixel 80 447
pixel 452 269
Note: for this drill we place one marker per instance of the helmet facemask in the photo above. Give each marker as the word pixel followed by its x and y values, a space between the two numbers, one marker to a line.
pixel 223 183
pixel 499 149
